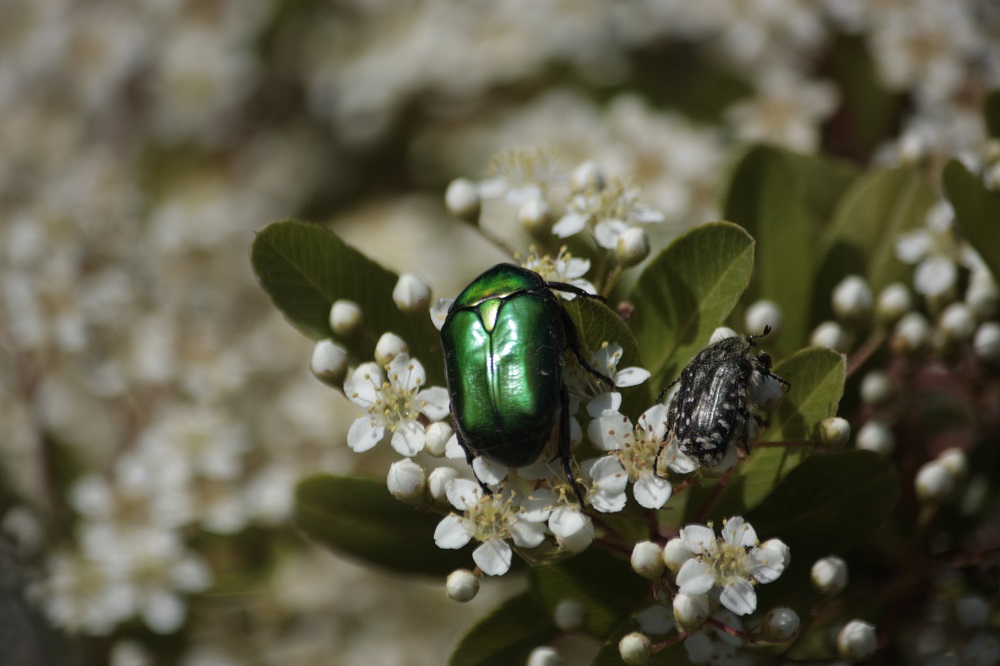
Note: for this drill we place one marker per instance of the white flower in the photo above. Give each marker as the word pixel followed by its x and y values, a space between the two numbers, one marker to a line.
pixel 395 399
pixel 564 267
pixel 82 594
pixel 729 565
pixel 521 175
pixel 490 519
pixel 585 387
pixel 636 450
pixel 608 212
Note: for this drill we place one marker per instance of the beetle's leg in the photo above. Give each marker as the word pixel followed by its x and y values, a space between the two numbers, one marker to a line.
pixel 664 391
pixel 573 340
pixel 469 457
pixel 564 445
pixel 573 289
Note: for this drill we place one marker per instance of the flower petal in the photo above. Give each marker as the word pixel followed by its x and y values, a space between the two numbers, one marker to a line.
pixel 364 433
pixel 739 597
pixel 493 557
pixel 631 376
pixel 695 577
pixel 527 534
pixel 569 224
pixel 609 401
pixel 408 440
pixel 463 494
pixel 651 491
pixel 452 532
pixel 434 403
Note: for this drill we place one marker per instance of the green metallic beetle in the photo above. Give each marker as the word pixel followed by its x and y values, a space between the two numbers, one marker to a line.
pixel 504 338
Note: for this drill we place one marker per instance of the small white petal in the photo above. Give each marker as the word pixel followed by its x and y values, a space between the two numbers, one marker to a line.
pixel 527 534
pixel 699 538
pixel 768 564
pixel 434 403
pixel 607 233
pixel 408 440
pixel 453 450
pixel 609 401
pixel 439 311
pixel 739 597
pixel 631 376
pixel 538 506
pixel 739 532
pixel 569 225
pixel 407 373
pixel 452 532
pixel 493 557
pixel 651 491
pixel 464 494
pixel 695 578
pixel 489 472
pixel 364 433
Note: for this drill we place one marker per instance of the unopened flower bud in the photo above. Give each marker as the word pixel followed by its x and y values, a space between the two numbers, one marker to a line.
pixel 829 575
pixel 635 649
pixel 462 200
pixel 957 323
pixel 438 480
pixel 676 553
pixel 973 611
pixel 955 461
pixel 833 432
pixel 436 438
pixel 986 344
pixel 780 625
pixel 857 641
pixel 647 560
pixel 876 388
pixel 632 247
pixel 388 347
pixel 779 546
pixel 544 655
pixel 570 615
pixel 829 334
pixel 983 296
pixel 407 481
pixel 852 299
pixel 876 436
pixel 346 319
pixel 535 216
pixel 893 302
pixel 462 585
pixel 588 175
pixel 411 294
pixel 763 313
pixel 329 362
pixel 911 333
pixel 691 610
pixel 722 333
pixel 934 483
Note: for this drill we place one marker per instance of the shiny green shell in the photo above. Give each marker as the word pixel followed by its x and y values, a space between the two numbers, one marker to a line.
pixel 503 342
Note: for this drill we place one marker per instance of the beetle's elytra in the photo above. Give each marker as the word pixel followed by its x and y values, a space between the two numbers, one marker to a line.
pixel 712 406
pixel 504 338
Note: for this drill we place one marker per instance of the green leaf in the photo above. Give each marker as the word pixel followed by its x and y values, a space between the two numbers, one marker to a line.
pixel 605 585
pixel 817 378
pixel 358 517
pixel 305 268
pixel 991 113
pixel 686 292
pixel 783 200
pixel 977 211
pixel 505 636
pixel 874 211
pixel 830 503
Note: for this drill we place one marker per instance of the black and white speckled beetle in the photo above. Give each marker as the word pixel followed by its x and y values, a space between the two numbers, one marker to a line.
pixel 711 409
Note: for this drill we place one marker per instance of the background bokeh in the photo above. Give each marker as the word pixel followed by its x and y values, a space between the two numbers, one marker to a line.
pixel 142 143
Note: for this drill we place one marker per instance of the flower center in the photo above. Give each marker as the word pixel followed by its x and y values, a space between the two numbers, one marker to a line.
pixel 491 518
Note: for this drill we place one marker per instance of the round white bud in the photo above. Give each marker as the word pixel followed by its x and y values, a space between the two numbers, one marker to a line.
pixel 722 333
pixel 438 480
pixel 911 333
pixel 876 388
pixel 763 313
pixel 955 461
pixel 462 200
pixel 462 585
pixel 857 641
pixel 407 481
pixel 411 294
pixel 982 296
pixel 829 334
pixel 852 299
pixel 647 560
pixel 346 319
pixel 876 436
pixel 388 347
pixel 676 553
pixel 957 323
pixel 780 625
pixel 829 575
pixel 436 438
pixel 635 649
pixel 893 302
pixel 544 655
pixel 570 615
pixel 986 344
pixel 691 610
pixel 329 362
pixel 632 247
pixel 833 432
pixel 588 175
pixel 535 216
pixel 973 611
pixel 934 483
